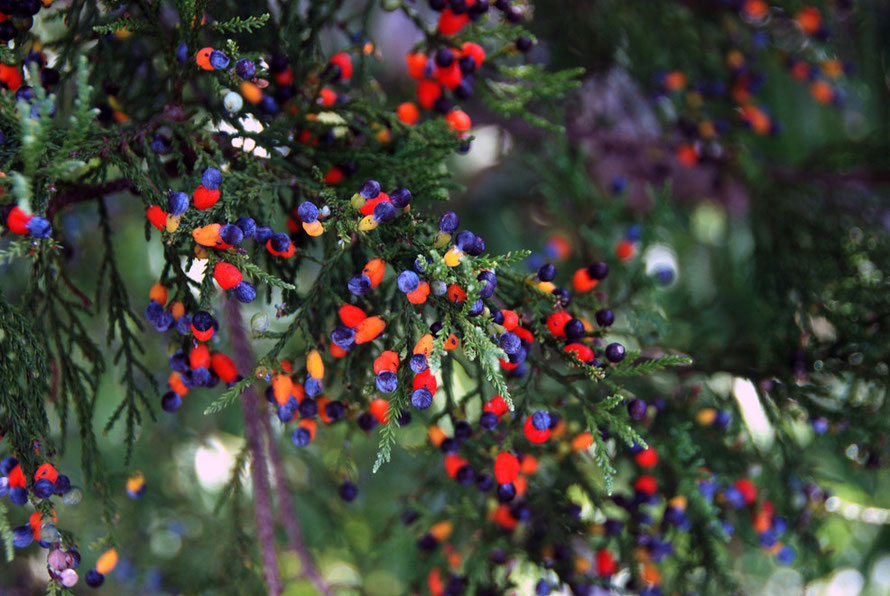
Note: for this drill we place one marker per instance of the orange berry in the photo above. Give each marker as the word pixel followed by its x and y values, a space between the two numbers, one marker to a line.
pixel 158 293
pixel 408 112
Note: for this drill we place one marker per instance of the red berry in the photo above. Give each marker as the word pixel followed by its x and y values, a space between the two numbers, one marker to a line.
pixel 647 458
pixel 17 220
pixel 227 275
pixel 506 468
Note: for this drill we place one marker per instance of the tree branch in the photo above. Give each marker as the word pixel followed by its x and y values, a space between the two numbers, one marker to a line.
pixel 79 194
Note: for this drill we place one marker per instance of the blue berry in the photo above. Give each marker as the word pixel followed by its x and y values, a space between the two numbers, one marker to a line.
pixel 477 248
pixel 484 482
pixel 245 68
pixel 4 486
pixel 541 420
pixel 417 363
pixel 615 352
pixel 348 491
pixel 387 381
pixel 182 52
pixel 359 285
pixel 244 292
pixel 231 234
pixel 43 488
pixel 476 308
pixel 307 212
pixel 301 437
pixel 490 282
pixel 786 555
pixel 384 212
pixel 542 588
pixel 153 311
pixel 7 464
pixel 462 430
pixel 510 342
pixel 605 317
pixel 370 189
pixel 62 485
pixel 313 387
pixel 262 234
pixel 164 322
pixel 465 476
pixel 247 225
pixel 200 376
pixel 18 495
pixel 218 60
pixel 574 329
pixel 211 179
pixel 506 492
pixel 171 401
pixel 547 272
pixel 280 242
pixel 367 422
pixel 343 337
pixel 637 409
pixel 178 203
pixel 400 197
pixel 408 281
pixel 598 270
pixel 287 410
pixel 308 408
pixel 39 227
pixel 489 420
pixel 335 410
pixel 22 536
pixel 184 325
pixel 449 222
pixel 422 398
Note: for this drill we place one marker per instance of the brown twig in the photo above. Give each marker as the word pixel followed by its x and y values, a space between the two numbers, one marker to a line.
pixel 79 194
pixel 261 491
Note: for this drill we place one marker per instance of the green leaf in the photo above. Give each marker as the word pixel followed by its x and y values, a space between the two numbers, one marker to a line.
pixel 229 397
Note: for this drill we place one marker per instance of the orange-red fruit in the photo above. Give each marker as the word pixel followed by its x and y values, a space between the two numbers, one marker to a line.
pixel 158 293
pixel 17 220
pixel 556 323
pixel 459 120
pixel 388 360
pixel 646 484
pixel 416 63
pixel 46 471
pixel 408 112
pixel 200 356
pixel 582 282
pixel 475 50
pixel 352 315
pixel 647 458
pixel 605 563
pixel 224 367
pixel 227 275
pixel 281 388
pixel 506 468
pixel 534 435
pixel 427 93
pixel 375 270
pixel 453 463
pixel 425 379
pixel 369 329
pixel 379 408
pixel 202 58
pixel 344 61
pixel 204 198
pixel 496 405
pixel 157 217
pixel 450 23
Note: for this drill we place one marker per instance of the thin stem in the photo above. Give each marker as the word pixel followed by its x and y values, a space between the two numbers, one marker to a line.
pixel 288 517
pixel 258 470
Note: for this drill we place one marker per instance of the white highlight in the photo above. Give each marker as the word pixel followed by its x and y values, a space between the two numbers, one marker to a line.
pixel 762 432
